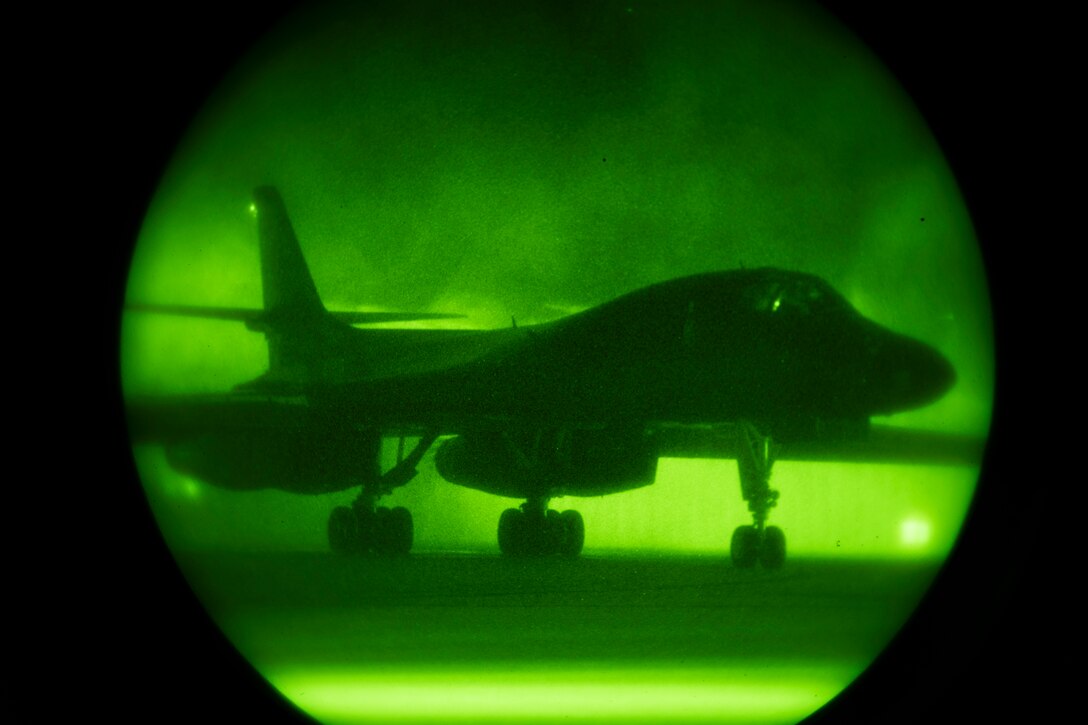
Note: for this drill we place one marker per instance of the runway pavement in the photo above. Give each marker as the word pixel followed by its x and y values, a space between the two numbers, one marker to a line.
pixel 623 637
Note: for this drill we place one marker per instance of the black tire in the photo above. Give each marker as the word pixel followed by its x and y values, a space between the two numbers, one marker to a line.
pixel 772 552
pixel 371 524
pixel 344 531
pixel 512 532
pixel 744 548
pixel 574 534
pixel 554 534
pixel 393 531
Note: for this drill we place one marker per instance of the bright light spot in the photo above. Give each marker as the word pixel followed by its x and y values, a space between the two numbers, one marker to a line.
pixel 253 209
pixel 608 693
pixel 191 489
pixel 914 533
pixel 181 487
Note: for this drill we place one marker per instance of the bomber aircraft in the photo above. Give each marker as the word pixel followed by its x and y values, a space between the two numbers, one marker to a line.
pixel 753 364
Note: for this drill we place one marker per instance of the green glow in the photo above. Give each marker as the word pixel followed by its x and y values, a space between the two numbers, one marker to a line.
pixel 191 490
pixel 914 533
pixel 568 158
pixel 600 692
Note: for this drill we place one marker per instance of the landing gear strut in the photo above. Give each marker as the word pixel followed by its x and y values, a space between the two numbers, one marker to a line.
pixel 366 527
pixel 536 530
pixel 757 542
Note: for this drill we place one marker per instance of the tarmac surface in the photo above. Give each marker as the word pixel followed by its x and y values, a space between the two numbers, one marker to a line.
pixel 616 638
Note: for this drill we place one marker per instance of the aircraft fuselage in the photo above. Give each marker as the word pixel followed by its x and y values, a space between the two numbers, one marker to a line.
pixel 711 348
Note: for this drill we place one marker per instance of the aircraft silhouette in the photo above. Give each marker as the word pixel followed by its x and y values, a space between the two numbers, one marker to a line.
pixel 757 365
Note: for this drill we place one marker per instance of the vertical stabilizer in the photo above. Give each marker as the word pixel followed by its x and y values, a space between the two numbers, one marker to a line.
pixel 295 322
pixel 288 286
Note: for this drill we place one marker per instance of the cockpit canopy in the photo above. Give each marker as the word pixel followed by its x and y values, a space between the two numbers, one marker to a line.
pixel 793 295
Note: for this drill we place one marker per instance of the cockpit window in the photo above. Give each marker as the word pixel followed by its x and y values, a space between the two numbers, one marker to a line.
pixel 792 297
pixel 765 297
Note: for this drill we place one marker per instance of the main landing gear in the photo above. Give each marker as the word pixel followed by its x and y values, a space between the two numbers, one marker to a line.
pixel 757 542
pixel 358 529
pixel 536 530
pixel 366 527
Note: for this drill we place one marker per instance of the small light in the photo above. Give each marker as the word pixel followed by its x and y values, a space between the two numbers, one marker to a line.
pixel 914 533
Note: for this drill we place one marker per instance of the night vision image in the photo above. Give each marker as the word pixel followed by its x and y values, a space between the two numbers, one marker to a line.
pixel 558 361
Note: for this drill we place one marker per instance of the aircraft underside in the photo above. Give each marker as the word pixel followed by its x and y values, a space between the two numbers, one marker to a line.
pixel 541 466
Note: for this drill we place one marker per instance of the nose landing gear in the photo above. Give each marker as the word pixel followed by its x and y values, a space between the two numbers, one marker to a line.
pixel 757 542
pixel 749 545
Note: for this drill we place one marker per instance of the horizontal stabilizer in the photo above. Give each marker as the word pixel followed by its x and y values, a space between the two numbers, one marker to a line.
pixel 373 318
pixel 255 317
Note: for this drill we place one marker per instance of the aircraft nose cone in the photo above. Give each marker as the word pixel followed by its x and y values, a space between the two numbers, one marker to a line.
pixel 919 374
pixel 936 375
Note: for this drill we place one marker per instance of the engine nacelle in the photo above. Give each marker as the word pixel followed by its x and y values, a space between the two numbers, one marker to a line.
pixel 578 463
pixel 304 460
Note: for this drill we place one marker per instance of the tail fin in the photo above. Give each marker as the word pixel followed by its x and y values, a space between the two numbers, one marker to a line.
pixel 306 342
pixel 295 322
pixel 288 286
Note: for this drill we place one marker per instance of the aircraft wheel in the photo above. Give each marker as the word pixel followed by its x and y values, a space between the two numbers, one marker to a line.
pixel 772 554
pixel 512 532
pixel 343 531
pixel 574 533
pixel 554 533
pixel 369 527
pixel 393 531
pixel 744 548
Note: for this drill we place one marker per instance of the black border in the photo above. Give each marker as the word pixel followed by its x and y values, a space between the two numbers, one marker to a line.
pixel 131 85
